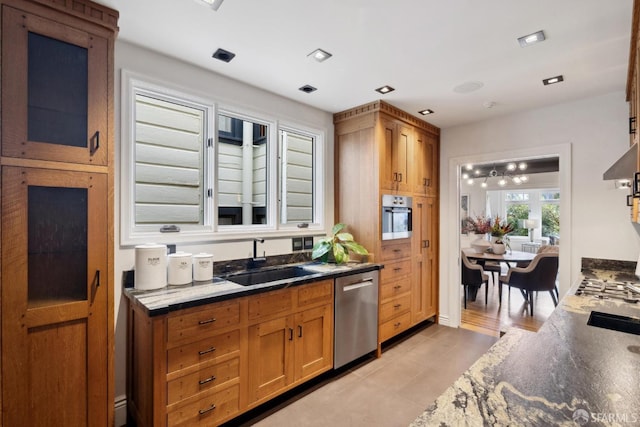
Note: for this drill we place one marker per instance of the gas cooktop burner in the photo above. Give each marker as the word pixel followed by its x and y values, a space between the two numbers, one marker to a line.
pixel 605 289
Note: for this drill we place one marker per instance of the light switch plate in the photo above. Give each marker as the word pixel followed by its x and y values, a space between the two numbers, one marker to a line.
pixel 296 244
pixel 308 242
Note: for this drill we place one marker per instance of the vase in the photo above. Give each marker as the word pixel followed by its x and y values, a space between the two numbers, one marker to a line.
pixel 498 248
pixel 480 244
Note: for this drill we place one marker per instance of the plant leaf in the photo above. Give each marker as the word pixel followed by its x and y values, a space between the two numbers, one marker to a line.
pixel 337 228
pixel 345 237
pixel 340 254
pixel 356 247
pixel 320 248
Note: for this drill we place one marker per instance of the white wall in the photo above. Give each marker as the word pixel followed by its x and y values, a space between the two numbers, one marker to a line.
pixel 232 93
pixel 594 132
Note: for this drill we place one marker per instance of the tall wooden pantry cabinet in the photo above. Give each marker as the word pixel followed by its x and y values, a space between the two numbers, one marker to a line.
pixel 56 208
pixel 381 149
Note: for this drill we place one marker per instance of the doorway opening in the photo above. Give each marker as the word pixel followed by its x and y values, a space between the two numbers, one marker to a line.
pixel 519 196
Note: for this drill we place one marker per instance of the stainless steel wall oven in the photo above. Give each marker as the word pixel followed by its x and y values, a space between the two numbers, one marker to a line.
pixel 396 217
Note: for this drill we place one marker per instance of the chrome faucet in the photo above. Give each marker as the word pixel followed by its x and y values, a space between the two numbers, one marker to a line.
pixel 255 250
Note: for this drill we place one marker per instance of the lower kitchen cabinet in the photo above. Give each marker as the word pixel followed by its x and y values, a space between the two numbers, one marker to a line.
pixel 289 350
pixel 208 364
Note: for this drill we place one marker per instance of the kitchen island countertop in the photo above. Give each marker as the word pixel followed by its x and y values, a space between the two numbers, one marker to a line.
pixel 568 373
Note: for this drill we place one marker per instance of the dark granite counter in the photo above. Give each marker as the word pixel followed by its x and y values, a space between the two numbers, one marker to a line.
pixel 161 301
pixel 568 373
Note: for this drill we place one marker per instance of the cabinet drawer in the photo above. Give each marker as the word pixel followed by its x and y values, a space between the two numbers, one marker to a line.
pixel 207 411
pixel 270 303
pixel 202 351
pixel 394 326
pixel 395 270
pixel 203 380
pixel 192 325
pixel 315 293
pixel 395 251
pixel 393 288
pixel 395 307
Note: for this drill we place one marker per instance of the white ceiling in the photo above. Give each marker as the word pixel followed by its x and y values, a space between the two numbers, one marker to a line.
pixel 422 48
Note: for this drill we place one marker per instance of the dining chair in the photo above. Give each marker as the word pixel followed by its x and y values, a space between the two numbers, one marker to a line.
pixel 473 275
pixel 539 275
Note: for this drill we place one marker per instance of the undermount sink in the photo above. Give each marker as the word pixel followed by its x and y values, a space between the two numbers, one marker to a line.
pixel 614 322
pixel 265 276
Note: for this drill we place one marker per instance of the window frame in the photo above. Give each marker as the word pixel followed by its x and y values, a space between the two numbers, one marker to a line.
pixel 210 231
pixel 130 233
pixel 318 176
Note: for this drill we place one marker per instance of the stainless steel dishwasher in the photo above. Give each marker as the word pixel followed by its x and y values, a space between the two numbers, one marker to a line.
pixel 355 317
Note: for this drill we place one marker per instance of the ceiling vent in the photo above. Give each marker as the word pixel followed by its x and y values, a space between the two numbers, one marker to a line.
pixel 223 55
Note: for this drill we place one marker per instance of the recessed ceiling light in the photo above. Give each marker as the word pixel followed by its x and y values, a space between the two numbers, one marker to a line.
pixel 320 55
pixel 215 4
pixel 425 112
pixel 223 55
pixel 307 88
pixel 552 80
pixel 385 89
pixel 532 38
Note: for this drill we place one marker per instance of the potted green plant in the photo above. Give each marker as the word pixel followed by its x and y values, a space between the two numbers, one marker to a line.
pixel 336 248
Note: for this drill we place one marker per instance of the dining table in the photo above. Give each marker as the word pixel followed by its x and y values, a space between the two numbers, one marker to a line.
pixel 509 257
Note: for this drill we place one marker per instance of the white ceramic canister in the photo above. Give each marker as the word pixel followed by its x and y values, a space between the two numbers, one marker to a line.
pixel 151 266
pixel 202 267
pixel 179 268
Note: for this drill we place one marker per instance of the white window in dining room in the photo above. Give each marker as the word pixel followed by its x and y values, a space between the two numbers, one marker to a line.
pixel 170 161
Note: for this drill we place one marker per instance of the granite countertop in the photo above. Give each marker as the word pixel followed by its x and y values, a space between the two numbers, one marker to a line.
pixel 164 300
pixel 568 373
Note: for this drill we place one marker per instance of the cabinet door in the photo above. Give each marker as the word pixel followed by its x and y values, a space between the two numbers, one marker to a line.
pixel 395 145
pixel 271 357
pixel 425 160
pixel 314 345
pixel 424 288
pixel 54 297
pixel 54 94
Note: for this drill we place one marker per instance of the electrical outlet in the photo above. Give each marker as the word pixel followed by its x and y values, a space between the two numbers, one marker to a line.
pixel 296 244
pixel 308 242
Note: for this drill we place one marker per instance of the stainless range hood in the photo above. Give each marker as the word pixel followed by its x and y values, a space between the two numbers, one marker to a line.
pixel 625 167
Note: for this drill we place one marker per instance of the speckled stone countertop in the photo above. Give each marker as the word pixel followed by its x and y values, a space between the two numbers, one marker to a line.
pixel 164 300
pixel 568 373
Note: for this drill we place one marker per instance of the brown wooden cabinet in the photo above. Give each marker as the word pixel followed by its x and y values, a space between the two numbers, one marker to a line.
pixel 386 150
pixel 424 293
pixel 288 350
pixel 206 365
pixel 57 213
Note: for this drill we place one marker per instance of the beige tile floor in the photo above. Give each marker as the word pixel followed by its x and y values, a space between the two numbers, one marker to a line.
pixel 390 391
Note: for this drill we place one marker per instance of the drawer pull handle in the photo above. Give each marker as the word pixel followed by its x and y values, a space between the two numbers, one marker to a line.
pixel 400 177
pixel 208 380
pixel 397 269
pixel 209 409
pixel 397 306
pixel 209 350
pixel 397 250
pixel 397 324
pixel 204 322
pixel 290 334
pixel 397 287
pixel 299 331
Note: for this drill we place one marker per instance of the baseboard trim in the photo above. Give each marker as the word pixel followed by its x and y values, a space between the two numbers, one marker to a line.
pixel 121 411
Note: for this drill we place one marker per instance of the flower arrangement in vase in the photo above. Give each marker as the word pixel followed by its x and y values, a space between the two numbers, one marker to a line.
pixel 499 230
pixel 481 226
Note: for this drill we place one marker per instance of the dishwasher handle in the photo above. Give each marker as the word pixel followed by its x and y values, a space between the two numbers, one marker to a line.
pixel 363 284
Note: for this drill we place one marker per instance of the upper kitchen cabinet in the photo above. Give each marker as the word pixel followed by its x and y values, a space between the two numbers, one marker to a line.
pixel 633 76
pixel 425 158
pixel 397 140
pixel 55 81
pixel 56 213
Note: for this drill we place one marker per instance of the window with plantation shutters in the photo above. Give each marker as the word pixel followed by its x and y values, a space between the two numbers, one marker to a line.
pixel 297 177
pixel 169 161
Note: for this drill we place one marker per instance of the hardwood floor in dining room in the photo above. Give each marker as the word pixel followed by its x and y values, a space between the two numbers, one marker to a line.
pixel 492 318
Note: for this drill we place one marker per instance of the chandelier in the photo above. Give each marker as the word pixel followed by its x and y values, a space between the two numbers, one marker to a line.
pixel 504 173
